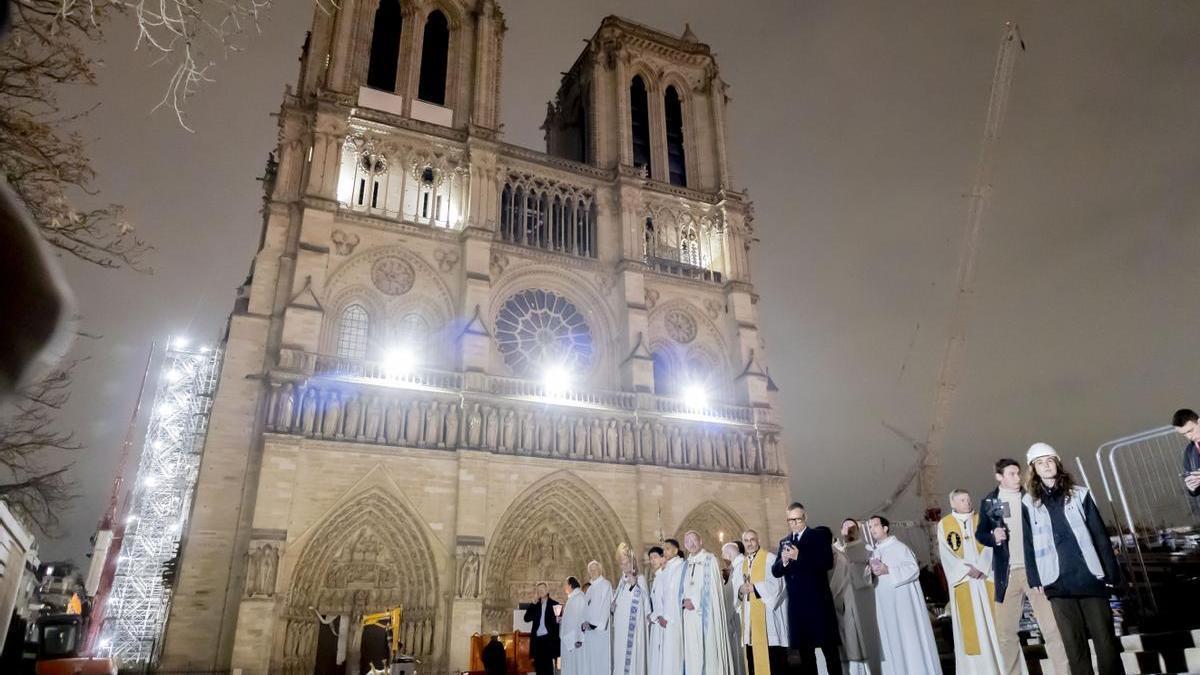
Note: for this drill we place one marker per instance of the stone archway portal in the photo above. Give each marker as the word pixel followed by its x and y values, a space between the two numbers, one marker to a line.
pixel 550 532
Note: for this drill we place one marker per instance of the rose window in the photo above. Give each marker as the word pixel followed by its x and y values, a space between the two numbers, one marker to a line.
pixel 537 329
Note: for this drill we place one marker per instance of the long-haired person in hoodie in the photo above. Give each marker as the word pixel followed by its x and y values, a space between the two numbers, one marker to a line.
pixel 1073 561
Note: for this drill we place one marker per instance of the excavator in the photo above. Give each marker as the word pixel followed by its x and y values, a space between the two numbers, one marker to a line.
pixel 397 663
pixel 61 650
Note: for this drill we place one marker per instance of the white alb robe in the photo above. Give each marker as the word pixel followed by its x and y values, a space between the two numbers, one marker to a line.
pixel 905 631
pixel 597 642
pixel 773 594
pixel 978 592
pixel 729 597
pixel 666 642
pixel 629 647
pixel 573 615
pixel 705 636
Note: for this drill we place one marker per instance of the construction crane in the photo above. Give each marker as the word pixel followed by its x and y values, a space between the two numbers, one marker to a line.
pixel 928 469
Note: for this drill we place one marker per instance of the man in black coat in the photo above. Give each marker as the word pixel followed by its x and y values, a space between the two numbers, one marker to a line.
pixel 804 561
pixel 543 631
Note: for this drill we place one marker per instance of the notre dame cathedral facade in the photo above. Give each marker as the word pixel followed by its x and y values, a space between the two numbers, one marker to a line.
pixel 460 367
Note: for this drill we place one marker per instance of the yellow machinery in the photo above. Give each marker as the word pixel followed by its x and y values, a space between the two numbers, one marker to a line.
pixel 389 621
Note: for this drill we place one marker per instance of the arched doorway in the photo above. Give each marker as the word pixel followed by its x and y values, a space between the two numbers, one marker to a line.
pixel 549 532
pixel 716 524
pixel 369 556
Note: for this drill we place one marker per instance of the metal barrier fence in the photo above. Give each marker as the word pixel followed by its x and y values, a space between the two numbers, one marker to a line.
pixel 1140 474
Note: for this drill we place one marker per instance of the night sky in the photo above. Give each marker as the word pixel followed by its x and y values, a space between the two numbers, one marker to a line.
pixel 855 127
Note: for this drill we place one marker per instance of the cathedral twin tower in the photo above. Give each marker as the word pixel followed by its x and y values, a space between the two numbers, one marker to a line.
pixel 460 367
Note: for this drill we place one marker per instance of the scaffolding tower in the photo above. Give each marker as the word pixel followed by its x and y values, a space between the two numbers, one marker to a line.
pixel 136 610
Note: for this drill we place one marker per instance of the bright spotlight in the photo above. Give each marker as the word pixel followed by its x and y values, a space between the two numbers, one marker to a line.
pixel 166 409
pixel 173 375
pixel 556 380
pixel 180 343
pixel 695 397
pixel 149 481
pixel 399 362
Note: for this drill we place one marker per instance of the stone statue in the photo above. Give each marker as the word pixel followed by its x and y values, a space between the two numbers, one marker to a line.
pixel 474 427
pixel 371 428
pixel 662 455
pixel 611 440
pixel 562 428
pixel 451 439
pixel 628 452
pixel 353 416
pixel 412 429
pixel 468 576
pixel 580 447
pixel 433 424
pixel 527 430
pixel 595 440
pixel 706 450
pixel 329 424
pixel 546 436
pixel 392 420
pixel 509 436
pixel 492 432
pixel 309 416
pixel 647 443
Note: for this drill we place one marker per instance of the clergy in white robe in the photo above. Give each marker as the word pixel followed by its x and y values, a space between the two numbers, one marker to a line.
pixel 905 631
pixel 760 600
pixel 630 607
pixel 853 588
pixel 732 553
pixel 570 638
pixel 666 629
pixel 597 637
pixel 705 624
pixel 968 568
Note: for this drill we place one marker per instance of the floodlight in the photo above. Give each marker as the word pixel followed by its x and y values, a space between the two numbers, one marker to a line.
pixel 556 380
pixel 695 397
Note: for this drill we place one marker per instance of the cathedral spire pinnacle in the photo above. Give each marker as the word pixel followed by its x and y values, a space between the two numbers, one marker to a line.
pixel 688 35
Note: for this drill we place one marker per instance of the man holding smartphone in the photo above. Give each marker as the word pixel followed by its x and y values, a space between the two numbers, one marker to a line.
pixel 1000 523
pixel 1187 423
pixel 804 561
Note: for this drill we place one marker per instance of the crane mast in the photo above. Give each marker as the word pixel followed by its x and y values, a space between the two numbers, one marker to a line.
pixel 930 474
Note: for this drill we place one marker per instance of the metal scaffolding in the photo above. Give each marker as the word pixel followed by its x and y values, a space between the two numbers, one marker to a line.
pixel 162 492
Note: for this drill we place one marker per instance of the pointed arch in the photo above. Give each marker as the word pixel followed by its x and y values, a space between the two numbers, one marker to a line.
pixel 639 114
pixel 385 46
pixel 551 530
pixel 716 523
pixel 673 106
pixel 435 58
pixel 370 554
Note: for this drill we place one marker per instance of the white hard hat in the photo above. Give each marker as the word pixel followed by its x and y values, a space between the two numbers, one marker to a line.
pixel 1039 450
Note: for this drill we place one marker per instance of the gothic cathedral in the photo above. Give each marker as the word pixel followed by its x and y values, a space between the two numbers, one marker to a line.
pixel 460 367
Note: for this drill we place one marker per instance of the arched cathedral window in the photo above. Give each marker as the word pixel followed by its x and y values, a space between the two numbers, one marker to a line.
pixel 411 331
pixel 435 50
pixel 676 163
pixel 353 328
pixel 385 46
pixel 689 247
pixel 639 113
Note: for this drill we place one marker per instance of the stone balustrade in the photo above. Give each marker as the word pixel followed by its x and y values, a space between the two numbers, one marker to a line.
pixel 510 416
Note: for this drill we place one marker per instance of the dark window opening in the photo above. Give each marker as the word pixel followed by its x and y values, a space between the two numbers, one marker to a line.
pixel 434 58
pixel 639 110
pixel 662 374
pixel 676 163
pixel 385 46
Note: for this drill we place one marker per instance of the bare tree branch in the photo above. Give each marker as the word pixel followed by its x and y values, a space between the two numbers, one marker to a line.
pixel 35 454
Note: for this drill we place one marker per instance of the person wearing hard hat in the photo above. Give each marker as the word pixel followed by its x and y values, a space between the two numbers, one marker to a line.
pixel 1073 561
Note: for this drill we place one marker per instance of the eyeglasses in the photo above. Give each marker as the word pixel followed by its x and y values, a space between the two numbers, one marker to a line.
pixel 801 519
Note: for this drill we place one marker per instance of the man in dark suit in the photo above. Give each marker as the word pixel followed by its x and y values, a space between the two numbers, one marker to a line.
pixel 804 561
pixel 543 646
